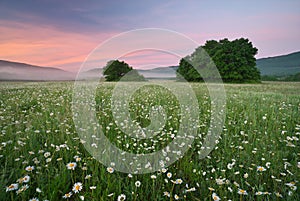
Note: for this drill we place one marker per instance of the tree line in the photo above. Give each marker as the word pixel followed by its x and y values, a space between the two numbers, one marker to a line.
pixel 234 60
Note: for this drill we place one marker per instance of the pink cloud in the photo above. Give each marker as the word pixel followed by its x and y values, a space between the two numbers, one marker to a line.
pixel 46 46
pixel 150 58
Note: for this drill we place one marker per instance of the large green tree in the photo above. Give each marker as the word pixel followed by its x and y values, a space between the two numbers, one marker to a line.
pixel 234 60
pixel 115 70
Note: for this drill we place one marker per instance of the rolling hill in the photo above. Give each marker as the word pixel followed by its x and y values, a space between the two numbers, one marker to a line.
pixel 280 65
pixel 22 71
pixel 283 65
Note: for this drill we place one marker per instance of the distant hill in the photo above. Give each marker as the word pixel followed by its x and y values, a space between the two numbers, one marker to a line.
pixel 155 73
pixel 21 71
pixel 280 65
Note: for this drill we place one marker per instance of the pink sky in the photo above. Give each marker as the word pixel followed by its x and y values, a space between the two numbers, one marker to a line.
pixel 42 37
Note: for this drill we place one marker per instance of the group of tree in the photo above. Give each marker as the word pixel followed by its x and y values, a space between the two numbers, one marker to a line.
pixel 234 61
pixel 116 70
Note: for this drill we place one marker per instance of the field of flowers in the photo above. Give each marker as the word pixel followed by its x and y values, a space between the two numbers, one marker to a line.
pixel 256 158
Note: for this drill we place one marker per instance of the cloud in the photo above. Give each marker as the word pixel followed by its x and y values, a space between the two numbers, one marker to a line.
pixel 45 45
pixel 63 33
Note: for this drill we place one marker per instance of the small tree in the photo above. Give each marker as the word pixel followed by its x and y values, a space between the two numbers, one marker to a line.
pixel 115 70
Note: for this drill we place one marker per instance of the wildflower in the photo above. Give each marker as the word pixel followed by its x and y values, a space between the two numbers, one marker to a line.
pixel 68 195
pixel 88 176
pixel 23 188
pixel 278 195
pixel 260 169
pixel 93 187
pixel 38 190
pixel 81 197
pixel 211 189
pixel 34 199
pixel 29 168
pixel 190 190
pixel 164 170
pixel 137 183
pixel 153 177
pixel 12 187
pixel 178 181
pixel 77 158
pixel 110 169
pixel 94 145
pixel 242 192
pixel 71 166
pixel 290 184
pixel 230 165
pixel 176 197
pixel 220 181
pixel 169 175
pixel 259 193
pixel 121 197
pixel 21 180
pixel 26 179
pixel 47 154
pixel 215 197
pixel 109 195
pixel 166 193
pixel 77 187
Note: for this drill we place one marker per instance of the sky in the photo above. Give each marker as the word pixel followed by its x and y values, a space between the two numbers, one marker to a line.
pixel 62 34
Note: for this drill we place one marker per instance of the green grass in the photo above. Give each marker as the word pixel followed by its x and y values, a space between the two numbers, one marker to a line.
pixel 262 128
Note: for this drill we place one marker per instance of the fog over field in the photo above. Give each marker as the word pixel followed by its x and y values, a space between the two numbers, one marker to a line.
pixel 21 71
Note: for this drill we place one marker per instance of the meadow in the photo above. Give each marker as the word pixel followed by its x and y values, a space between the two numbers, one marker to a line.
pixel 256 158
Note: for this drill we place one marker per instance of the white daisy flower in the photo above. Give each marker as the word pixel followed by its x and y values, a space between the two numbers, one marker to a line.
pixel 77 187
pixel 12 187
pixel 121 197
pixel 71 166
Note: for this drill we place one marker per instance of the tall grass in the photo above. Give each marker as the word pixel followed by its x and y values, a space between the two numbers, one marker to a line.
pixel 257 157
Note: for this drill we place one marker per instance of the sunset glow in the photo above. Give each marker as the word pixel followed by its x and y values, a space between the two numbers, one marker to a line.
pixel 48 33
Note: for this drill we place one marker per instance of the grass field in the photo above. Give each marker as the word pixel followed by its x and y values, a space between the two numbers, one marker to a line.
pixel 257 157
